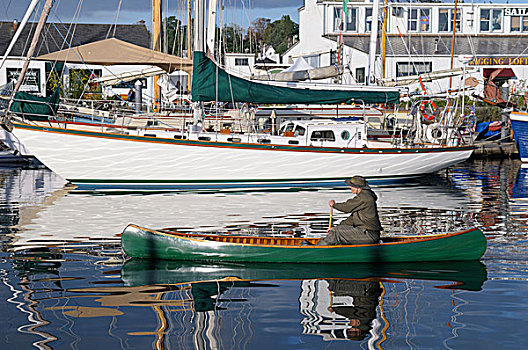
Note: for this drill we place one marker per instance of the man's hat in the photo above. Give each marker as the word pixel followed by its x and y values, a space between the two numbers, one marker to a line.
pixel 357 181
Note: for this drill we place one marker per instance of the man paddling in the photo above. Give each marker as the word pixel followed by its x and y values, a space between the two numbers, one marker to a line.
pixel 363 225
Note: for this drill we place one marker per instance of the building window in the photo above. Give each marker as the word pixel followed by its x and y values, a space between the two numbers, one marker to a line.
pixel 490 20
pixel 368 19
pixel 337 19
pixel 360 75
pixel 349 22
pixel 404 69
pixel 241 62
pixel 445 20
pixel 312 60
pixel 519 24
pixel 419 20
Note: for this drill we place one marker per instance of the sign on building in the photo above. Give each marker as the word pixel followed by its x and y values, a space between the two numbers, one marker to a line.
pixel 499 61
pixel 31 81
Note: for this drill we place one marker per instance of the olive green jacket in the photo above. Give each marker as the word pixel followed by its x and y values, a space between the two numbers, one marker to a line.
pixel 363 209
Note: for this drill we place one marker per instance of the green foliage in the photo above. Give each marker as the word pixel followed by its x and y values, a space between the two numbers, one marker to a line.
pixel 233 39
pixel 54 81
pixel 79 85
pixel 176 36
pixel 280 33
pixel 256 32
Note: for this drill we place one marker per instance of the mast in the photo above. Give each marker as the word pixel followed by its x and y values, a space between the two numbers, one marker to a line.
pixel 29 11
pixel 189 48
pixel 199 23
pixel 384 38
pixel 156 46
pixel 211 26
pixel 453 43
pixel 373 41
pixel 43 18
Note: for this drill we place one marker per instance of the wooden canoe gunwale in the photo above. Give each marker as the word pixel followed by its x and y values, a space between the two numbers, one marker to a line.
pixel 280 241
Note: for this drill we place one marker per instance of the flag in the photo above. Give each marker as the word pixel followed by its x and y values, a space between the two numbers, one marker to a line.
pixel 345 9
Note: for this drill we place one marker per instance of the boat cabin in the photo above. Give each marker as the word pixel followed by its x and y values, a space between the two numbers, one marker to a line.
pixel 326 132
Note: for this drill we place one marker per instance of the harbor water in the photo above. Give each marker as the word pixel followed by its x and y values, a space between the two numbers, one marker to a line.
pixel 66 284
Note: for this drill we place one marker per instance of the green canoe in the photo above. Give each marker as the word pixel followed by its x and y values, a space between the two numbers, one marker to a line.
pixel 139 242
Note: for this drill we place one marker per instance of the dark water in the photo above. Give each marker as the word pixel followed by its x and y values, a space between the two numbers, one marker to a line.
pixel 66 284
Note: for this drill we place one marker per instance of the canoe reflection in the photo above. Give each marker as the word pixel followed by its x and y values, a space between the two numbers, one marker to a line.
pixel 339 308
pixel 468 275
pixel 337 301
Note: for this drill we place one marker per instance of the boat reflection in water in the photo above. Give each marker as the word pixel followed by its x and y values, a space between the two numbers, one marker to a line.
pixel 340 308
pixel 337 301
pixel 520 187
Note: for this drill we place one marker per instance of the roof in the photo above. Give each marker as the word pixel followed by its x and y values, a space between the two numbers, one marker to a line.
pixel 502 72
pixel 265 60
pixel 83 33
pixel 434 44
pixel 113 51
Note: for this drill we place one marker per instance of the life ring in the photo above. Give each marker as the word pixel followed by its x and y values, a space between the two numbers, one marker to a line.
pixel 428 118
pixel 434 133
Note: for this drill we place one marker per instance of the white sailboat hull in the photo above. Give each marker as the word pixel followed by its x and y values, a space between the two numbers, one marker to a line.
pixel 100 160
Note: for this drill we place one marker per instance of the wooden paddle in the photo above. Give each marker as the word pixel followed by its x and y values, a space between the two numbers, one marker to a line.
pixel 330 221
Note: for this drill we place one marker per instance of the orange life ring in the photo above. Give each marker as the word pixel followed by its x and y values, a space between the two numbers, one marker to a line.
pixel 428 118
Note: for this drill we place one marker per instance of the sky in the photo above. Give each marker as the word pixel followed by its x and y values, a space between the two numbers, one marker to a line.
pixel 132 11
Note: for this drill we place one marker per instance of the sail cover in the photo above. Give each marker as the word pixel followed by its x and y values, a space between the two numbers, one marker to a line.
pixel 34 107
pixel 211 83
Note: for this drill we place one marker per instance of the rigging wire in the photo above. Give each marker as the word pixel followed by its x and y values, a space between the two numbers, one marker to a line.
pixel 115 21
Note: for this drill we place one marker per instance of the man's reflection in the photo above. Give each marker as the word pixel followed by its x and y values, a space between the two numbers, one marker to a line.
pixel 339 309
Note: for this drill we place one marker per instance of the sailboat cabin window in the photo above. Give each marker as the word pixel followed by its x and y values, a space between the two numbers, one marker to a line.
pixel 446 18
pixel 299 131
pixel 490 20
pixel 419 20
pixel 241 62
pixel 404 69
pixel 519 24
pixel 322 135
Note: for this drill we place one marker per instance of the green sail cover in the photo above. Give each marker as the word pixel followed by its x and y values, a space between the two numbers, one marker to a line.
pixel 206 74
pixel 40 109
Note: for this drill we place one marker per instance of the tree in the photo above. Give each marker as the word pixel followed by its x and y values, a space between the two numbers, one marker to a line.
pixel 280 33
pixel 233 38
pixel 176 36
pixel 256 32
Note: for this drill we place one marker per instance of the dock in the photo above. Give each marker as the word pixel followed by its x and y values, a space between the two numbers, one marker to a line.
pixel 496 149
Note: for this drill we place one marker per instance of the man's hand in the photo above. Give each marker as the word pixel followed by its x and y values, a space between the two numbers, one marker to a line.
pixel 331 203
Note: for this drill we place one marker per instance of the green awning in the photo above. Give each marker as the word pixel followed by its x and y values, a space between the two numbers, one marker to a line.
pixel 211 83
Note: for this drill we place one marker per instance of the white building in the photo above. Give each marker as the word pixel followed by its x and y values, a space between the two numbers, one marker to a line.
pixel 240 63
pixel 419 39
pixel 53 40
